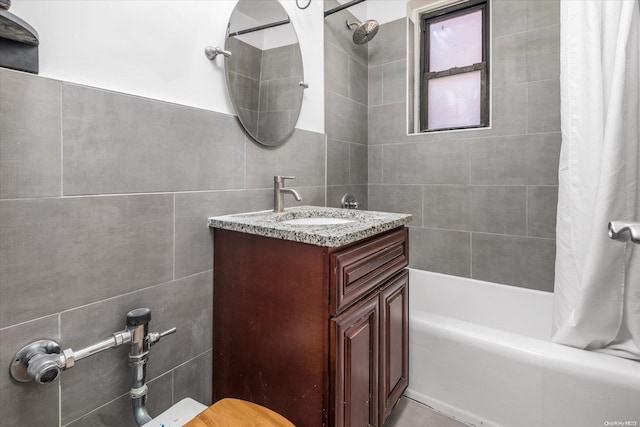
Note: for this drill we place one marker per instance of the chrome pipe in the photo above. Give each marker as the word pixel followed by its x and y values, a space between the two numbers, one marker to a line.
pixel 95 348
pixel 138 325
pixel 140 413
pixel 624 231
pixel 43 360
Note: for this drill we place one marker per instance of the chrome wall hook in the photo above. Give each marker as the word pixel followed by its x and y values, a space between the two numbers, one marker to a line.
pixel 211 52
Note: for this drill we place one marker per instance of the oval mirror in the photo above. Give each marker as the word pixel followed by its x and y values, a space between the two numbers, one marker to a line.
pixel 264 70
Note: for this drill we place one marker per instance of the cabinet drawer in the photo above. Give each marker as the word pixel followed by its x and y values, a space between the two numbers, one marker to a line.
pixel 359 269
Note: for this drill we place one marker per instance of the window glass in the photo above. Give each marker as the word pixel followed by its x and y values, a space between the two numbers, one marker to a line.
pixel 454 91
pixel 454 101
pixel 455 42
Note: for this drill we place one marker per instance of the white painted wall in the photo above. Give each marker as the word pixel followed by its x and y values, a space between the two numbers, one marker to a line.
pixel 155 49
pixel 382 11
pixel 385 11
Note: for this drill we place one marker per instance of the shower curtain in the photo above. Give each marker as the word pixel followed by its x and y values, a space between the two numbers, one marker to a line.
pixel 597 284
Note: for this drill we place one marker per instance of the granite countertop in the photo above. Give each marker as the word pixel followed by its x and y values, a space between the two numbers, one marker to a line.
pixel 270 224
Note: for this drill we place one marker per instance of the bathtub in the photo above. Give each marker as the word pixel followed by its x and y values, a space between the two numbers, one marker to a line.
pixel 480 352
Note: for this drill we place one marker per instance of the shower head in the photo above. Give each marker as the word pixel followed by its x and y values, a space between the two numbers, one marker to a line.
pixel 365 31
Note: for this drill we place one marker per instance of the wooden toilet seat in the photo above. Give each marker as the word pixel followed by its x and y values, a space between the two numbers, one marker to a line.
pixel 238 413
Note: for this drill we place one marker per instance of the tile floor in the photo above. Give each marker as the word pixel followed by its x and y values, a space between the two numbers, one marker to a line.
pixel 409 413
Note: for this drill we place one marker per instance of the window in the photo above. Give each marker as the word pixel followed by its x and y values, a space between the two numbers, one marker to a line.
pixel 454 86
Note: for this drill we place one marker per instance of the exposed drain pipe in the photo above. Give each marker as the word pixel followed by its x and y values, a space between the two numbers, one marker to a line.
pixel 138 324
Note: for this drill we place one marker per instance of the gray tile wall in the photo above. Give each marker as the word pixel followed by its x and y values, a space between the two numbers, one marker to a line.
pixel 484 201
pixel 346 100
pixel 103 205
pixel 280 92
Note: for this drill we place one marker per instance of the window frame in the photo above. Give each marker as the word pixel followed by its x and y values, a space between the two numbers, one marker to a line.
pixel 441 15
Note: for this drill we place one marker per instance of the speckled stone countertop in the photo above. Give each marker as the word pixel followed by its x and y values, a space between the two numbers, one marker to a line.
pixel 270 224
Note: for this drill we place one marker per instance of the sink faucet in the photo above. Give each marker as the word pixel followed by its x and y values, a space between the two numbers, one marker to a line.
pixel 279 191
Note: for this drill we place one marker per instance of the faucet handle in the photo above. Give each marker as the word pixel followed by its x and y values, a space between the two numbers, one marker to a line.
pixel 280 178
pixel 154 337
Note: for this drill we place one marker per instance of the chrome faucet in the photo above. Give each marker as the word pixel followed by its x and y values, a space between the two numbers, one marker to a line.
pixel 279 192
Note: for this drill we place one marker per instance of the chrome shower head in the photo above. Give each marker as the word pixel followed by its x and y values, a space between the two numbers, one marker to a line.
pixel 365 31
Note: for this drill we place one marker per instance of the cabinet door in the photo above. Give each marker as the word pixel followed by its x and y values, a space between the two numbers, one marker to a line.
pixel 355 334
pixel 394 342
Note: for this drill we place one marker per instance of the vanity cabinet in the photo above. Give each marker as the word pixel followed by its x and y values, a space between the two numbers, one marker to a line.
pixel 317 334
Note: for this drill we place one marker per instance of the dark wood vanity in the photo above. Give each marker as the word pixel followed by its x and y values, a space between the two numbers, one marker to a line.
pixel 317 334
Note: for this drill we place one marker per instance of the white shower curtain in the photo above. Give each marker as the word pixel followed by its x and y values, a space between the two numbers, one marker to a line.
pixel 597 285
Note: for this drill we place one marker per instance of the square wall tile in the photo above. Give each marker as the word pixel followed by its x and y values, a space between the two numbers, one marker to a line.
pixel 358 168
pixel 358 81
pixel 515 160
pixel 194 238
pixel 251 58
pixel 336 70
pixel 388 124
pixel 542 13
pixel 436 162
pixel 62 253
pixel 345 119
pixel 374 169
pixel 283 94
pixel 302 156
pixel 509 115
pixel 509 59
pixel 499 209
pixel 119 413
pixel 193 379
pixel 398 199
pixel 276 125
pixel 338 162
pixel 542 207
pixel 543 53
pixel 281 62
pixel 394 82
pixel 186 304
pixel 508 17
pixel 115 143
pixel 442 251
pixel 526 262
pixel 390 44
pixel 30 142
pixel 375 85
pixel 543 106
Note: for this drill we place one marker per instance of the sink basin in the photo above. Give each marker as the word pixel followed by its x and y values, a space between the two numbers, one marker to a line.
pixel 317 221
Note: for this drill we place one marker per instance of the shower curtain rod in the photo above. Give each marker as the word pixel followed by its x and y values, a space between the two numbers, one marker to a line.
pixel 261 27
pixel 341 7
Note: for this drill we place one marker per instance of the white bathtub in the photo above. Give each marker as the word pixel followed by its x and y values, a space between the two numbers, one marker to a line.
pixel 480 352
